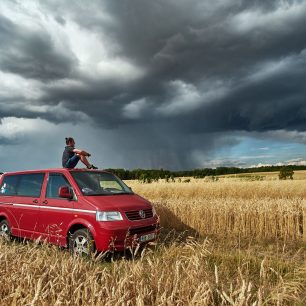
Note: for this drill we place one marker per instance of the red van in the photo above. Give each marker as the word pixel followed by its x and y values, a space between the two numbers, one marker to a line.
pixel 86 210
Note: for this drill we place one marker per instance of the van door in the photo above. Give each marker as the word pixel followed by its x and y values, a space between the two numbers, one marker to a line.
pixel 56 213
pixel 26 202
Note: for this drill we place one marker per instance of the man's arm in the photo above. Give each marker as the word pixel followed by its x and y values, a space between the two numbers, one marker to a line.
pixel 81 152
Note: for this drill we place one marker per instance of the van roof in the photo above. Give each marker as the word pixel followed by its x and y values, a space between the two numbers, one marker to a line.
pixel 63 170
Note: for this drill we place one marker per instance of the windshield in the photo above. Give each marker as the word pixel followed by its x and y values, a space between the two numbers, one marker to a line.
pixel 99 183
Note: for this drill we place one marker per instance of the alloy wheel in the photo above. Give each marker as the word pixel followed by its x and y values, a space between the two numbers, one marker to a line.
pixel 81 245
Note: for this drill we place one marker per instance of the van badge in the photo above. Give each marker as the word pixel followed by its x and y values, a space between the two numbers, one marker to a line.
pixel 142 214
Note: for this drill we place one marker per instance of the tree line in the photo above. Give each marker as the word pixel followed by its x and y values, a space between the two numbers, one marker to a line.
pixel 156 174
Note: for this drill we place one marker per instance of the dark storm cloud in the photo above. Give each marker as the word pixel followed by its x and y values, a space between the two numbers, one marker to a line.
pixel 205 68
pixel 197 43
pixel 269 103
pixel 194 39
pixel 57 113
pixel 31 53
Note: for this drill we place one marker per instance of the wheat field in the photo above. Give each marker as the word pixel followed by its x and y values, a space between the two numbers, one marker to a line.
pixel 223 243
pixel 227 208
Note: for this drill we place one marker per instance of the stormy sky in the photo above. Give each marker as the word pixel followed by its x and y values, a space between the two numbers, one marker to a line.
pixel 153 84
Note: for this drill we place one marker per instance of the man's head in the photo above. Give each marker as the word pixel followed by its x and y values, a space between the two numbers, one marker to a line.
pixel 70 141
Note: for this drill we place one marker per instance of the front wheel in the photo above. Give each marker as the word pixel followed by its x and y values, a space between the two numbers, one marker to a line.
pixel 5 230
pixel 81 243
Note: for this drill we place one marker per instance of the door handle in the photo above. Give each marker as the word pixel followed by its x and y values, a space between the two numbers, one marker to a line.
pixel 45 202
pixel 35 201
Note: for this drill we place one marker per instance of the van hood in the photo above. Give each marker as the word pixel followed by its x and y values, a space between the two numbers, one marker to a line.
pixel 124 202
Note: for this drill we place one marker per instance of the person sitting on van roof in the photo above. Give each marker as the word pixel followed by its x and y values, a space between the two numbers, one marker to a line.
pixel 71 155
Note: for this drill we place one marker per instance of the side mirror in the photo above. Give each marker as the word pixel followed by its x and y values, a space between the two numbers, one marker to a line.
pixel 65 192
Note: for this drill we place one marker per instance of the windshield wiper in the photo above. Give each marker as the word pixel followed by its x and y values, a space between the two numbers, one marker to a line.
pixel 125 193
pixel 97 194
pixel 107 194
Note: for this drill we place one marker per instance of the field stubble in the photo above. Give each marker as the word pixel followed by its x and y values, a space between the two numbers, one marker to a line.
pixel 255 253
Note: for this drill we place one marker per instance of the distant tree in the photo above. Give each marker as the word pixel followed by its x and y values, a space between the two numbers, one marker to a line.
pixel 141 178
pixel 148 180
pixel 285 172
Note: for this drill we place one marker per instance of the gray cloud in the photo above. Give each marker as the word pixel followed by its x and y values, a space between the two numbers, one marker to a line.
pixel 203 47
pixel 31 53
pixel 167 77
pixel 4 141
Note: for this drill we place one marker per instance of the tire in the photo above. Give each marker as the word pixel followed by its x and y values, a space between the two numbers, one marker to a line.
pixel 5 230
pixel 81 243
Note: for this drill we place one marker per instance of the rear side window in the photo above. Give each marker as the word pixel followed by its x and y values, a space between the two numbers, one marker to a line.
pixel 55 181
pixel 9 185
pixel 28 185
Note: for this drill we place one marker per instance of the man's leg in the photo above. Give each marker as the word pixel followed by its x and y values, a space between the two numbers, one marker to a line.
pixel 84 160
pixel 72 162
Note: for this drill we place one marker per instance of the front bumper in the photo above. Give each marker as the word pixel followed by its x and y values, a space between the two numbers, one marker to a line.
pixel 111 237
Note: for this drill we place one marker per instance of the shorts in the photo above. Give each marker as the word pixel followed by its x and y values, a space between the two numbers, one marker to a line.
pixel 72 162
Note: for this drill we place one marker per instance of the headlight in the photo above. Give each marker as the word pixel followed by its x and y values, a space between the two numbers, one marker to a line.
pixel 108 216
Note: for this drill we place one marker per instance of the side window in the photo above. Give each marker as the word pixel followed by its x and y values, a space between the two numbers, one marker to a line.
pixel 55 181
pixel 9 185
pixel 30 184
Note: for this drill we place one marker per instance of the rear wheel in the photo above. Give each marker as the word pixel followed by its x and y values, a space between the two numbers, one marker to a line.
pixel 5 230
pixel 81 243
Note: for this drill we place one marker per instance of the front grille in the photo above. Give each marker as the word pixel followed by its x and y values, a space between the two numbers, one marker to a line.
pixel 144 229
pixel 134 215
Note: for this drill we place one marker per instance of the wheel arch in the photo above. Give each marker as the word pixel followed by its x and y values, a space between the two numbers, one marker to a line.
pixel 4 217
pixel 79 224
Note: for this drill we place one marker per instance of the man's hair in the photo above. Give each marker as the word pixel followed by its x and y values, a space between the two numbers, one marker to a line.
pixel 68 139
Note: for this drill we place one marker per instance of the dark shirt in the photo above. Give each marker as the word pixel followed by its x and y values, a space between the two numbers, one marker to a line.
pixel 68 153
